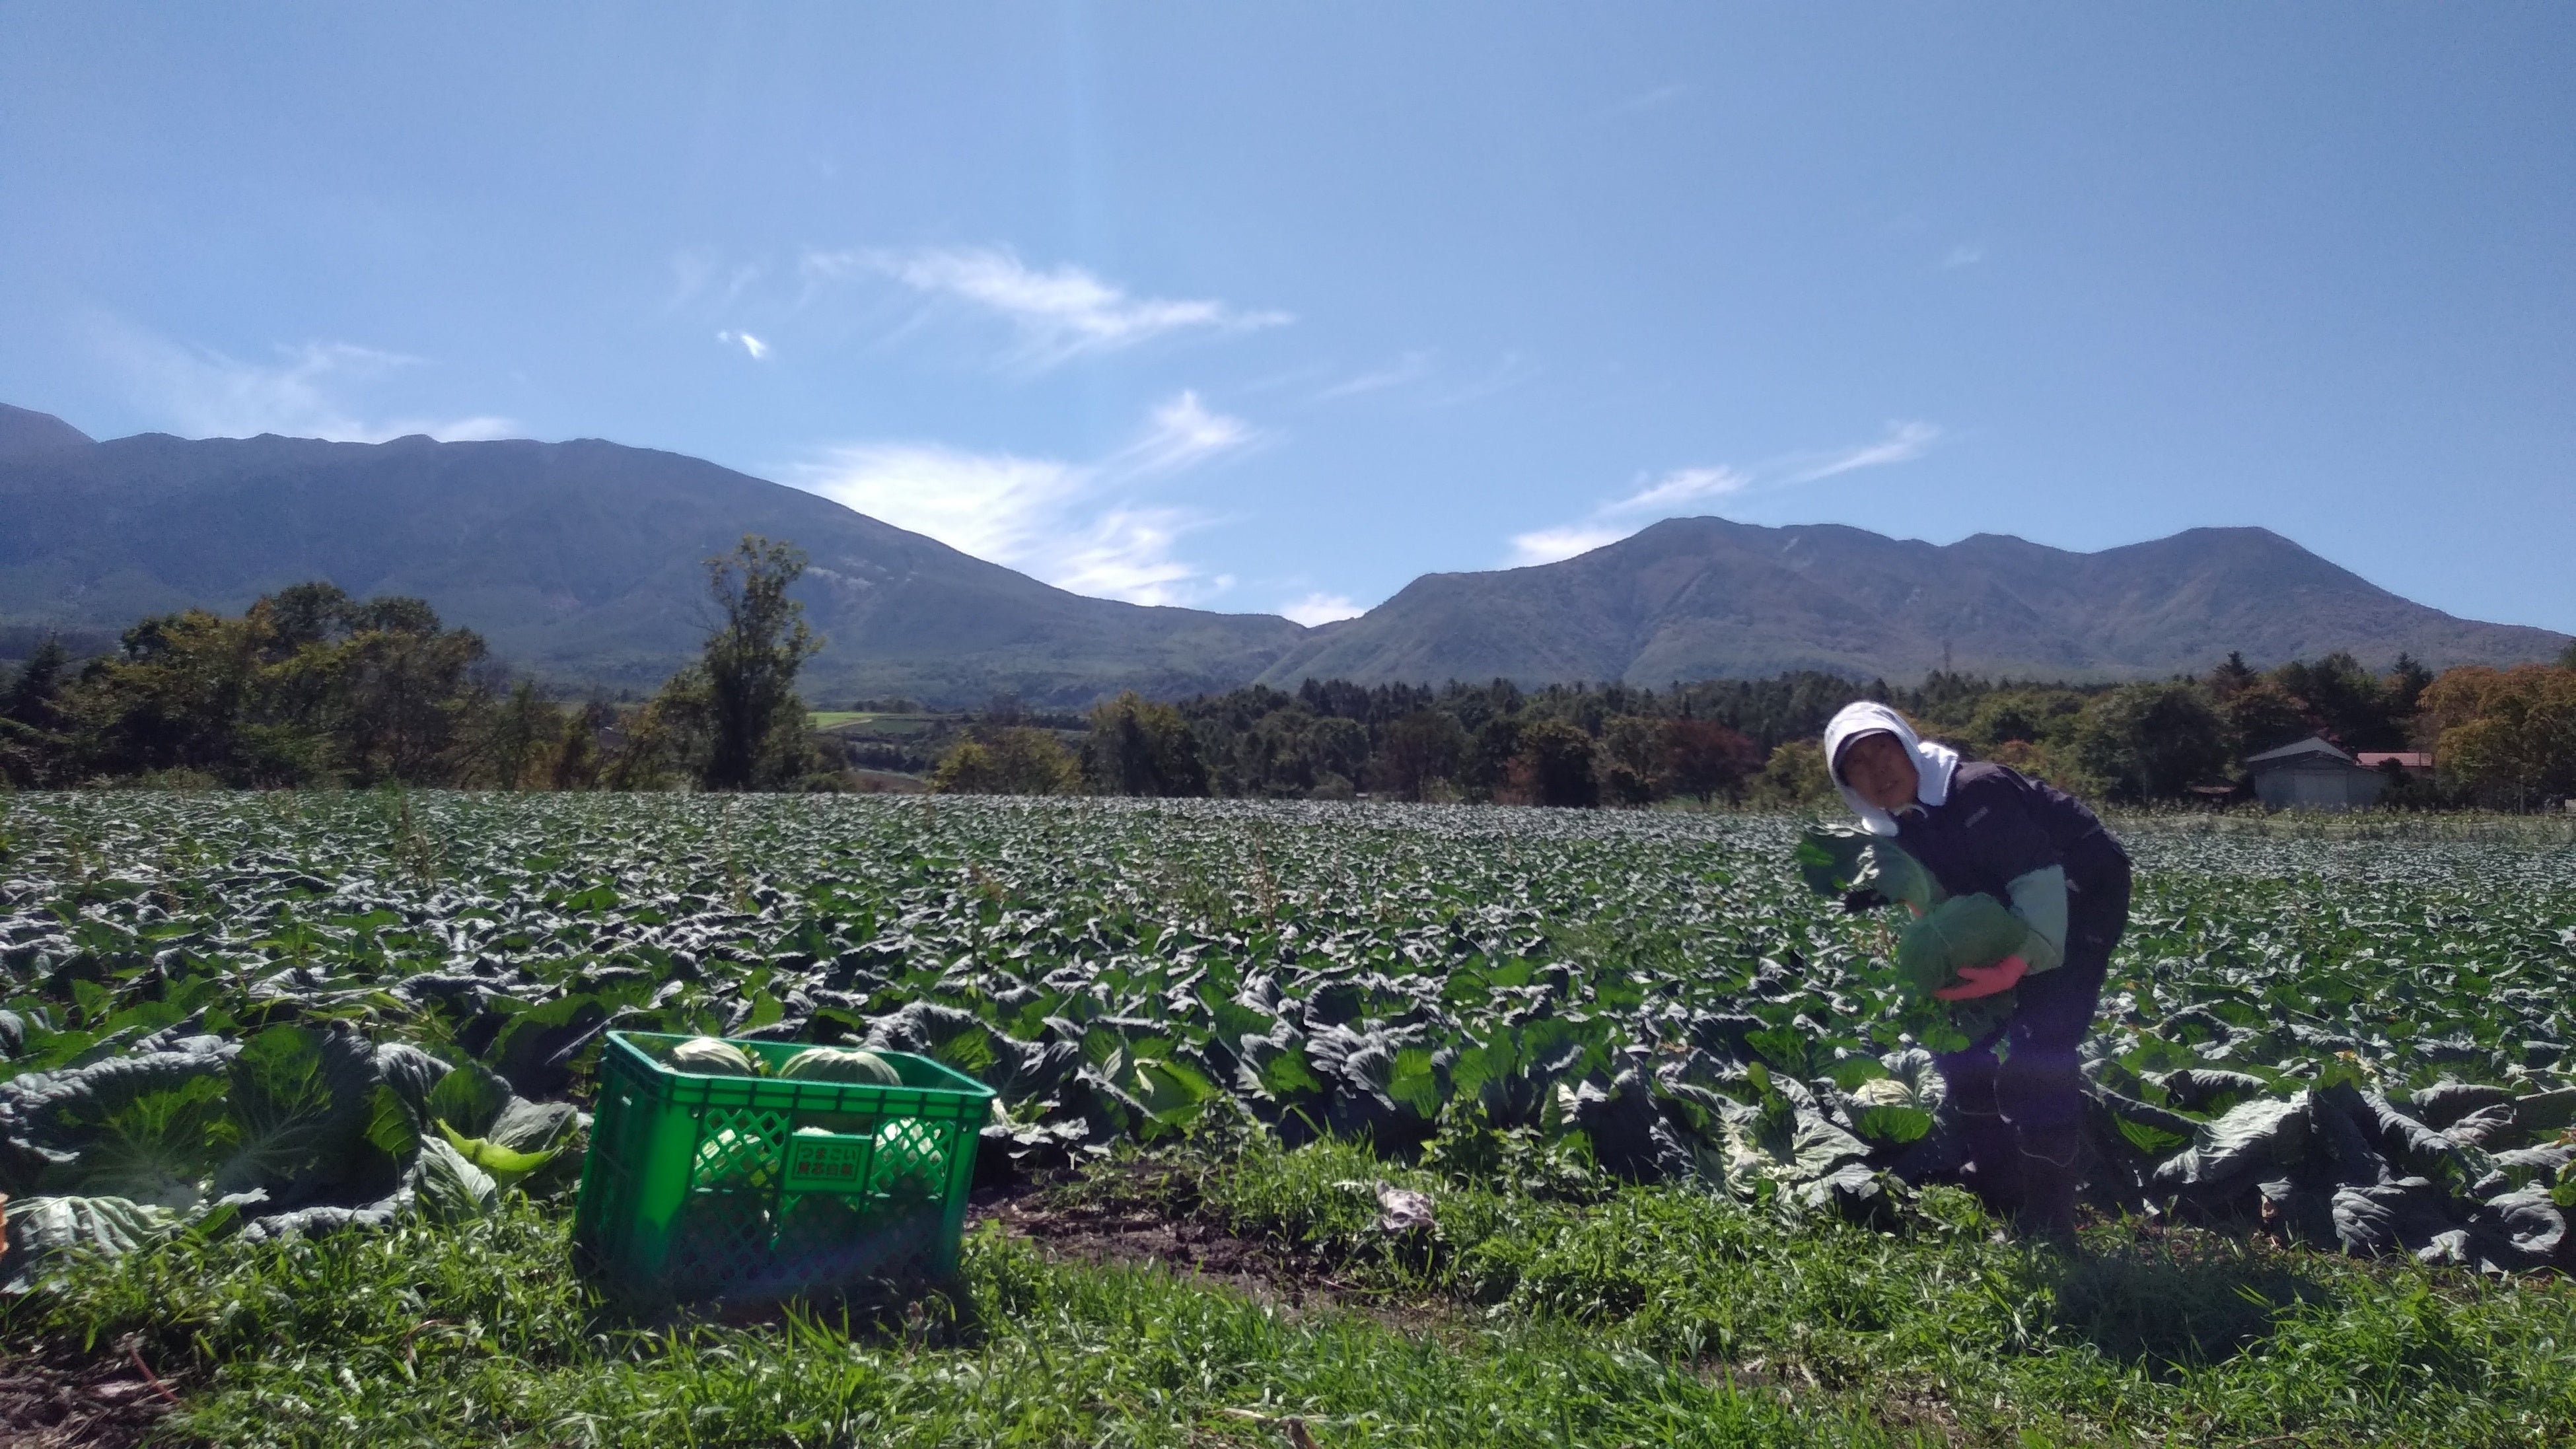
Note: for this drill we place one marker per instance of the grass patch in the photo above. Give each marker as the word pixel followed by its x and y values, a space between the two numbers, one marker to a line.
pixel 2152 1333
pixel 475 1335
pixel 1580 1313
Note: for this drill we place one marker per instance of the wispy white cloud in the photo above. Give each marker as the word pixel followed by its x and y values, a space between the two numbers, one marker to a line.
pixel 1965 254
pixel 1547 545
pixel 748 343
pixel 1183 433
pixel 1126 553
pixel 996 506
pixel 1078 526
pixel 1680 487
pixel 205 393
pixel 1665 496
pixel 1057 315
pixel 1905 442
pixel 1321 608
pixel 1411 367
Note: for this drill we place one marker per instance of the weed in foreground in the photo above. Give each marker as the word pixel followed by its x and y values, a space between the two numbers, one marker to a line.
pixel 1652 1316
pixel 2151 1331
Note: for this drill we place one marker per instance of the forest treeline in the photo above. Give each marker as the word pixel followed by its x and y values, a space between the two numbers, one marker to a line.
pixel 311 688
pixel 2501 737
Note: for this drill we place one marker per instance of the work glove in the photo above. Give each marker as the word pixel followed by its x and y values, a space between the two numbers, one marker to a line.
pixel 1976 981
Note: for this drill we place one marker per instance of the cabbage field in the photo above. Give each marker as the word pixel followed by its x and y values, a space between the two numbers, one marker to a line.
pixel 2366 1043
pixel 290 1013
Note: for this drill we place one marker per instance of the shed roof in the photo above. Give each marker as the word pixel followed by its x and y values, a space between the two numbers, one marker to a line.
pixel 2312 745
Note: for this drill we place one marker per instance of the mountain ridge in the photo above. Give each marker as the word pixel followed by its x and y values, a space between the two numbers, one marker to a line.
pixel 580 561
pixel 1694 598
pixel 24 432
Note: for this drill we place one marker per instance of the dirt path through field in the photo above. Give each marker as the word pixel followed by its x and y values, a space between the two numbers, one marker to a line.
pixel 1124 1236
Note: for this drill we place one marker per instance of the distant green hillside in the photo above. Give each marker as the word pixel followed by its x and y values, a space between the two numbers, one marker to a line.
pixel 579 561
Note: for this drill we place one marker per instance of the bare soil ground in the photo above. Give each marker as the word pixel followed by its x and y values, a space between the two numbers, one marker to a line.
pixel 1098 1235
pixel 107 1402
pixel 1116 1235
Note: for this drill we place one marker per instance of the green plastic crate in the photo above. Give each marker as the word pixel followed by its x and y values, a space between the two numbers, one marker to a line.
pixel 702 1186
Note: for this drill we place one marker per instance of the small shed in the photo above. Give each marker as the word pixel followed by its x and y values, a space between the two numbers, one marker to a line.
pixel 2313 775
pixel 2413 762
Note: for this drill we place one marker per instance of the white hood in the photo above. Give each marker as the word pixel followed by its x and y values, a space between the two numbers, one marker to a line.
pixel 1932 763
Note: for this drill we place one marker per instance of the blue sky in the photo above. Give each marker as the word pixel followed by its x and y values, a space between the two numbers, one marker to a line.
pixel 1275 307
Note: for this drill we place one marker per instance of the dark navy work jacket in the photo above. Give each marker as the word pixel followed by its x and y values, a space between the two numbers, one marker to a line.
pixel 1997 825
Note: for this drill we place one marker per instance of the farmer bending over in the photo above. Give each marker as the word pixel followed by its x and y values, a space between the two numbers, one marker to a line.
pixel 1983 827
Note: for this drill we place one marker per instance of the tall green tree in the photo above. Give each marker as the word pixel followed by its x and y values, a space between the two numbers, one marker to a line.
pixel 1008 760
pixel 2403 686
pixel 2353 705
pixel 1705 759
pixel 2510 733
pixel 1421 747
pixel 579 759
pixel 1489 758
pixel 2151 741
pixel 1340 749
pixel 30 744
pixel 664 744
pixel 2231 675
pixel 2260 716
pixel 515 743
pixel 755 723
pixel 1795 775
pixel 1626 758
pixel 308 686
pixel 405 689
pixel 1138 747
pixel 29 699
pixel 1555 765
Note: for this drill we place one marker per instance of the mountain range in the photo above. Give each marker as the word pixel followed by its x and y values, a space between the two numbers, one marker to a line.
pixel 1690 598
pixel 580 562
